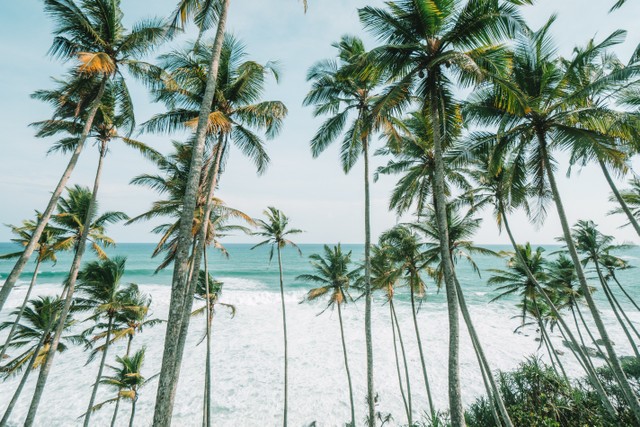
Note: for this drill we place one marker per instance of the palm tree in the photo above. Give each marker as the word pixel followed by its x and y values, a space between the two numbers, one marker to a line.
pixel 406 250
pixel 550 114
pixel 385 276
pixel 333 277
pixel 100 289
pixel 275 228
pixel 35 332
pixel 595 246
pixel 209 290
pixel 630 198
pixel 127 379
pixel 48 245
pixel 348 89
pixel 93 33
pixel 611 264
pixel 428 44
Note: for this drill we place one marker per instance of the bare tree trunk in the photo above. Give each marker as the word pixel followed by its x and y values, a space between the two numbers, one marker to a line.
pixel 53 201
pixel 627 391
pixel 22 307
pixel 71 284
pixel 23 381
pixel 207 369
pixel 395 352
pixel 284 328
pixel 115 411
pixel 367 287
pixel 404 359
pixel 624 291
pixel 133 410
pixel 103 359
pixel 455 394
pixel 625 208
pixel 346 367
pixel 169 372
pixel 432 408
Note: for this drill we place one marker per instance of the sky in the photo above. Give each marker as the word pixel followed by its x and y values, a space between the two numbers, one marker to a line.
pixel 315 193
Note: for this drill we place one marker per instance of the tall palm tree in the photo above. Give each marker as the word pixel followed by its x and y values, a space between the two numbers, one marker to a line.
pixel 406 250
pixel 385 276
pixel 275 229
pixel 48 245
pixel 100 289
pixel 35 332
pixel 209 290
pixel 333 276
pixel 348 88
pixel 428 44
pixel 92 32
pixel 127 379
pixel 550 115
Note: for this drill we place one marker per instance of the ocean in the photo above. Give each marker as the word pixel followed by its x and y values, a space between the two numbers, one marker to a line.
pixel 247 349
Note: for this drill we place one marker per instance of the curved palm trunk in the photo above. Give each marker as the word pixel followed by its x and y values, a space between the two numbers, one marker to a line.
pixel 625 208
pixel 103 359
pixel 455 394
pixel 207 369
pixel 53 201
pixel 133 410
pixel 586 360
pixel 346 366
pixel 367 286
pixel 631 398
pixel 497 397
pixel 23 381
pixel 71 284
pixel 169 372
pixel 422 361
pixel 404 360
pixel 284 328
pixel 115 410
pixel 624 291
pixel 397 359
pixel 487 385
pixel 22 307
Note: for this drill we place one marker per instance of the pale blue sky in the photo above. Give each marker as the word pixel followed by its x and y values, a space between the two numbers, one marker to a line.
pixel 314 193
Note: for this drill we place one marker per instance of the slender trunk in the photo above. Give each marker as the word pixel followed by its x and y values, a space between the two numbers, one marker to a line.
pixel 612 303
pixel 625 208
pixel 169 372
pixel 553 355
pixel 455 394
pixel 207 369
pixel 624 291
pixel 284 328
pixel 133 410
pixel 53 201
pixel 395 352
pixel 591 373
pixel 404 359
pixel 103 359
pixel 487 385
pixel 627 391
pixel 115 411
pixel 422 361
pixel 71 284
pixel 367 286
pixel 23 381
pixel 346 366
pixel 480 353
pixel 21 311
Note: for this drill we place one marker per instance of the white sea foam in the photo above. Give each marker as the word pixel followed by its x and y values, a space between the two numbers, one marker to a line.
pixel 247 362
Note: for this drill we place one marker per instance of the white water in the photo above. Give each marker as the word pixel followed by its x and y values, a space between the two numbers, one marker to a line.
pixel 247 362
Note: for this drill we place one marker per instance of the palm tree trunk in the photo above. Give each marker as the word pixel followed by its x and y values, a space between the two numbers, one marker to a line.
pixel 487 385
pixel 71 284
pixel 624 291
pixel 115 411
pixel 133 411
pixel 53 201
pixel 455 394
pixel 103 359
pixel 23 381
pixel 632 219
pixel 169 372
pixel 480 354
pixel 367 286
pixel 404 360
pixel 395 352
pixel 627 391
pixel 422 361
pixel 22 307
pixel 207 369
pixel 284 328
pixel 346 367
pixel 591 373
